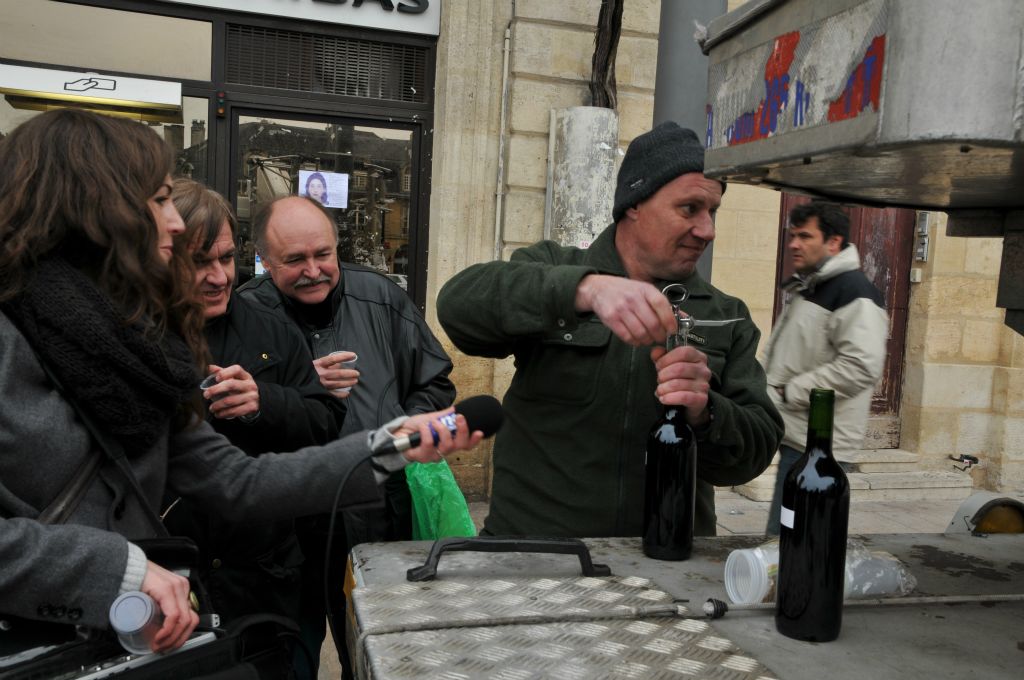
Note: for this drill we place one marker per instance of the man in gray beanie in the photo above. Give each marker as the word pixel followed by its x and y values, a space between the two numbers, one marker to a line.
pixel 587 329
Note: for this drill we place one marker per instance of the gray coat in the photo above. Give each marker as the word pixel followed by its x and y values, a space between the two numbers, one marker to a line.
pixel 72 572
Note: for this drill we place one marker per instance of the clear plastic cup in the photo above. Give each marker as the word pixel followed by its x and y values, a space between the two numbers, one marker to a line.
pixel 873 573
pixel 351 363
pixel 750 573
pixel 208 382
pixel 136 618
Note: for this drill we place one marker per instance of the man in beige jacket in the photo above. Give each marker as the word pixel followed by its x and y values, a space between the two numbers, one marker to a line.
pixel 831 335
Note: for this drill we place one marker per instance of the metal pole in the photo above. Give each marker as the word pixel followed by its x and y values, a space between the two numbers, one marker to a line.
pixel 681 81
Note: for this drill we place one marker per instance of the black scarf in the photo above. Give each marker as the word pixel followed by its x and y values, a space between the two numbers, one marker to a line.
pixel 130 384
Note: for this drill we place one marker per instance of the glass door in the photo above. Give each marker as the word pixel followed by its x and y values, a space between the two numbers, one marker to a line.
pixel 362 174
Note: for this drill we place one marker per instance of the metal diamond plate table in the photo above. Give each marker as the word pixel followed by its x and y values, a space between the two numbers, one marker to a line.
pixel 518 628
pixel 520 615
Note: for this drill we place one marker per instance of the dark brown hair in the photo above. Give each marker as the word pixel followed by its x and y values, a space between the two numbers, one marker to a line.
pixel 204 211
pixel 832 221
pixel 75 184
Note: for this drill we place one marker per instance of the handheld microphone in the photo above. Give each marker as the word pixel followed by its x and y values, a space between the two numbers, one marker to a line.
pixel 482 412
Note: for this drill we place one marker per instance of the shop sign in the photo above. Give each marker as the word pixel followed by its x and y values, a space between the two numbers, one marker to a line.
pixel 79 86
pixel 407 16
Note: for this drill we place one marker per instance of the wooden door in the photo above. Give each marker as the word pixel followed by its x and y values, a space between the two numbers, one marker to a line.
pixel 885 239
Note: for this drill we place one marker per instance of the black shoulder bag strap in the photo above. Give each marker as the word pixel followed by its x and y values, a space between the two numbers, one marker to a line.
pixel 62 506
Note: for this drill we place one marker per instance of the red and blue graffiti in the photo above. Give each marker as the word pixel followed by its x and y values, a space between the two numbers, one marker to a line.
pixel 863 87
pixel 755 125
pixel 862 90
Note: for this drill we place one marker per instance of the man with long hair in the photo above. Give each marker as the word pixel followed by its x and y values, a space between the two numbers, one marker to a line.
pixel 266 397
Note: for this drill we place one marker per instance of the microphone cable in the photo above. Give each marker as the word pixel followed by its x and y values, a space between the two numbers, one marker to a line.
pixel 482 413
pixel 330 540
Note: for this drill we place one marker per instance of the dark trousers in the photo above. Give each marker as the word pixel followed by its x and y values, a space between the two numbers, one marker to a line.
pixel 315 604
pixel 390 522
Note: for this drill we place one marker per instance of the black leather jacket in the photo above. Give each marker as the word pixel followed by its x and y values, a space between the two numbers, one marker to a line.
pixel 403 368
pixel 295 410
pixel 254 568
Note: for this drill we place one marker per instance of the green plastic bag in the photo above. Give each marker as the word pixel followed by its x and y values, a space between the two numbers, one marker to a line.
pixel 439 509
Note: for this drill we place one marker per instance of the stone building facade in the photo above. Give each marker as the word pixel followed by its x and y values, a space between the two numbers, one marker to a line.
pixel 496 70
pixel 963 390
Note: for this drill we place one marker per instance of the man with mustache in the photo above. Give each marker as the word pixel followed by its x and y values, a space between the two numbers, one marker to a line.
pixel 401 367
pixel 569 460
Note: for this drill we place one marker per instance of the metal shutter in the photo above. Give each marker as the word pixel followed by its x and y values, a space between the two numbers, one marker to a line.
pixel 307 62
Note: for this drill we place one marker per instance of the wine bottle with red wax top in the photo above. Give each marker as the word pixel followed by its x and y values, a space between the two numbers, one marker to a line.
pixel 812 539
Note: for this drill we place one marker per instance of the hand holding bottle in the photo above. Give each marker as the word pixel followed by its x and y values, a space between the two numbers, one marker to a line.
pixel 684 379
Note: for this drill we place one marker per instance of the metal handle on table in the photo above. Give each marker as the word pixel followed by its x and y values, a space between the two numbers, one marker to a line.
pixel 558 546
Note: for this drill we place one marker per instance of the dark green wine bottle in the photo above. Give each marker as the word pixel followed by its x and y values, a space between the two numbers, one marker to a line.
pixel 812 539
pixel 670 489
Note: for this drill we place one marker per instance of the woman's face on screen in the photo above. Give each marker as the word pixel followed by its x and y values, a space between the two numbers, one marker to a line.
pixel 316 190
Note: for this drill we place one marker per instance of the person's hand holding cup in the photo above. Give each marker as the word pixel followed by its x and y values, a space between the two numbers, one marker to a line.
pixel 337 372
pixel 232 393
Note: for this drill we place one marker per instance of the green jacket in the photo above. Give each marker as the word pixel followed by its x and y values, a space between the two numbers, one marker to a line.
pixel 569 460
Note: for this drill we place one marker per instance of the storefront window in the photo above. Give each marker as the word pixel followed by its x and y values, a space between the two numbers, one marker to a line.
pixel 188 139
pixel 355 171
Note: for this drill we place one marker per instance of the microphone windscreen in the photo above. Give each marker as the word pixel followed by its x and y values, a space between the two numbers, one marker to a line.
pixel 482 412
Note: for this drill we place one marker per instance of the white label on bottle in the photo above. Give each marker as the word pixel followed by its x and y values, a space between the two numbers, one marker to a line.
pixel 786 517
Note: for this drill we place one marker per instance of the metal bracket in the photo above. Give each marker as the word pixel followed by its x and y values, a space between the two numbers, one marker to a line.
pixel 922 239
pixel 967 460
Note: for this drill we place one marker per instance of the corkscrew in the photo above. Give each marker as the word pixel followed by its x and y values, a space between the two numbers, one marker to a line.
pixel 677 294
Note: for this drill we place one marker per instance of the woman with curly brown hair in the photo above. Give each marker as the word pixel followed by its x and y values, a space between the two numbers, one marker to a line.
pixel 99 340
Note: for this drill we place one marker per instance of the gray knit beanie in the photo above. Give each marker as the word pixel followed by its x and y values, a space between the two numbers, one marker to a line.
pixel 653 160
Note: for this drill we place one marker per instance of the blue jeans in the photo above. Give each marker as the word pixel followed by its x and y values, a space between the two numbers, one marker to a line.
pixel 787 457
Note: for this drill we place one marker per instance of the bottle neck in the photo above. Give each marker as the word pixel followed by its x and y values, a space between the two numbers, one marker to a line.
pixel 819 420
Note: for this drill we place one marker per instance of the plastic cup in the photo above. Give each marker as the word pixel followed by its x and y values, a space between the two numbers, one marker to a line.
pixel 875 574
pixel 351 363
pixel 208 382
pixel 136 618
pixel 750 574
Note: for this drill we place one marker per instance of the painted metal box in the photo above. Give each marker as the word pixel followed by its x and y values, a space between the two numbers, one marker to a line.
pixel 917 103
